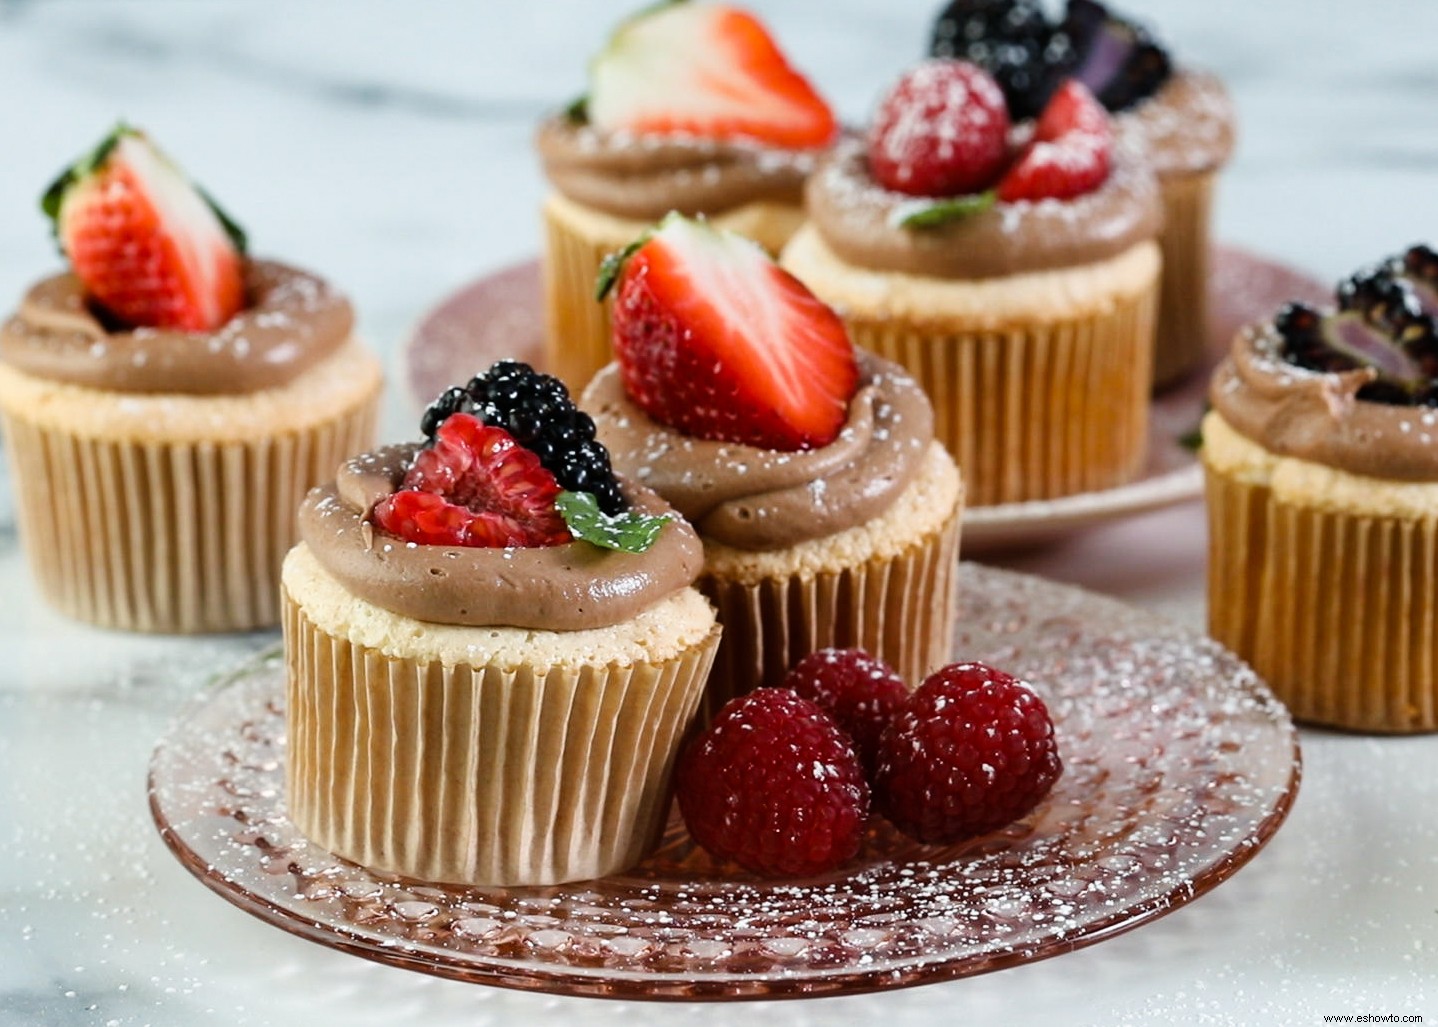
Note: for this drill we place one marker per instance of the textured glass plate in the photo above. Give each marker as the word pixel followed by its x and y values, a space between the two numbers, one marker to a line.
pixel 500 315
pixel 1179 766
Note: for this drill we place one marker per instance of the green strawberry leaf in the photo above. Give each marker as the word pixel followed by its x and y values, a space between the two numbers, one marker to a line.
pixel 933 213
pixel 628 532
pixel 229 224
pixel 577 112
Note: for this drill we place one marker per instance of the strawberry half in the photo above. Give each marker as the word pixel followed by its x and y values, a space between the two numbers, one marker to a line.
pixel 475 486
pixel 717 341
pixel 149 247
pixel 704 70
pixel 1070 151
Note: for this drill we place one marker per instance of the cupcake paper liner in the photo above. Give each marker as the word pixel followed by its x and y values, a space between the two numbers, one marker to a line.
pixel 478 774
pixel 1337 611
pixel 1182 338
pixel 1037 411
pixel 169 536
pixel 576 324
pixel 899 608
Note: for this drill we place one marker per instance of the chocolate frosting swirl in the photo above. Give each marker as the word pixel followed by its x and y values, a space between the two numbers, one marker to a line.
pixel 293 320
pixel 556 588
pixel 644 177
pixel 1187 127
pixel 858 219
pixel 1292 411
pixel 764 499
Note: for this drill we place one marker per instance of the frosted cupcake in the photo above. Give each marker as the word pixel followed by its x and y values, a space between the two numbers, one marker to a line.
pixel 1321 455
pixel 829 515
pixel 1180 116
pixel 691 107
pixel 1013 272
pixel 168 403
pixel 489 676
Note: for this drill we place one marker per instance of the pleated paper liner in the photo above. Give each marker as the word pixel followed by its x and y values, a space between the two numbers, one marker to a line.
pixel 482 775
pixel 1038 411
pixel 170 536
pixel 899 608
pixel 1344 611
pixel 576 324
pixel 1181 341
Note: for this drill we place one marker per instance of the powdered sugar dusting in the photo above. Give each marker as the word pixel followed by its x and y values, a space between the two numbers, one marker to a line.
pixel 1179 766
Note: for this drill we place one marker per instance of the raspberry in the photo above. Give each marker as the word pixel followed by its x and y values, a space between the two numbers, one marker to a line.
pixel 475 486
pixel 971 751
pixel 537 410
pixel 861 692
pixel 774 785
pixel 942 130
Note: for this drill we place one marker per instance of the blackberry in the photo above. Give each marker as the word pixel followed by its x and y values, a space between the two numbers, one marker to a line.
pixel 1007 38
pixel 1387 300
pixel 1348 341
pixel 537 410
pixel 1118 59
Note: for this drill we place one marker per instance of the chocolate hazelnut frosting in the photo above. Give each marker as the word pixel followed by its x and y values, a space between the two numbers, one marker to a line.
pixel 859 220
pixel 1187 127
pixel 1294 412
pixel 292 321
pixel 644 177
pixel 763 499
pixel 568 587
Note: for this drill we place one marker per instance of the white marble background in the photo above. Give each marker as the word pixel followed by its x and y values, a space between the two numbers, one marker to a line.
pixel 385 143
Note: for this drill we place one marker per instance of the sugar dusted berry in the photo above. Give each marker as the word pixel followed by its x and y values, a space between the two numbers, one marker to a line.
pixel 475 486
pixel 941 130
pixel 1007 38
pixel 1070 151
pixel 717 341
pixel 150 247
pixel 536 409
pixel 774 785
pixel 971 751
pixel 861 692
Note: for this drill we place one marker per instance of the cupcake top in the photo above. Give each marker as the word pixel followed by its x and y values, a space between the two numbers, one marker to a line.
pixel 738 397
pixel 160 297
pixel 508 515
pixel 691 107
pixel 947 187
pixel 1355 387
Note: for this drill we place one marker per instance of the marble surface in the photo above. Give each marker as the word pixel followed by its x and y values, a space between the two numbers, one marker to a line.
pixel 386 143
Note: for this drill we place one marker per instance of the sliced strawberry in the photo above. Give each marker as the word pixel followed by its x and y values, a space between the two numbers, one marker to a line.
pixel 475 486
pixel 717 341
pixel 942 130
pixel 1070 151
pixel 705 70
pixel 149 247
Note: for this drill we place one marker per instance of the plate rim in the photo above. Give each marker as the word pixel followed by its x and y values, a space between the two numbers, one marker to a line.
pixel 599 982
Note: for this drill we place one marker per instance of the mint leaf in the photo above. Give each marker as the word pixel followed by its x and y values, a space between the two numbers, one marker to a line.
pixel 577 113
pixel 628 532
pixel 932 213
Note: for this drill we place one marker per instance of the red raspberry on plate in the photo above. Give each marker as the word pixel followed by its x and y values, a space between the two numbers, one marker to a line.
pixel 1070 151
pixel 971 751
pixel 861 692
pixel 774 785
pixel 475 486
pixel 942 130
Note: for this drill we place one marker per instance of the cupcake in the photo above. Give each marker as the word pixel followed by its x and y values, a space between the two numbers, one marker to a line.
pixel 168 402
pixel 1180 116
pixel 691 107
pixel 1013 271
pixel 489 675
pixel 829 515
pixel 1321 457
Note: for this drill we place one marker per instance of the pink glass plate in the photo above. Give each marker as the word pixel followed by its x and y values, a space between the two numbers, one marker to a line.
pixel 500 315
pixel 1179 766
